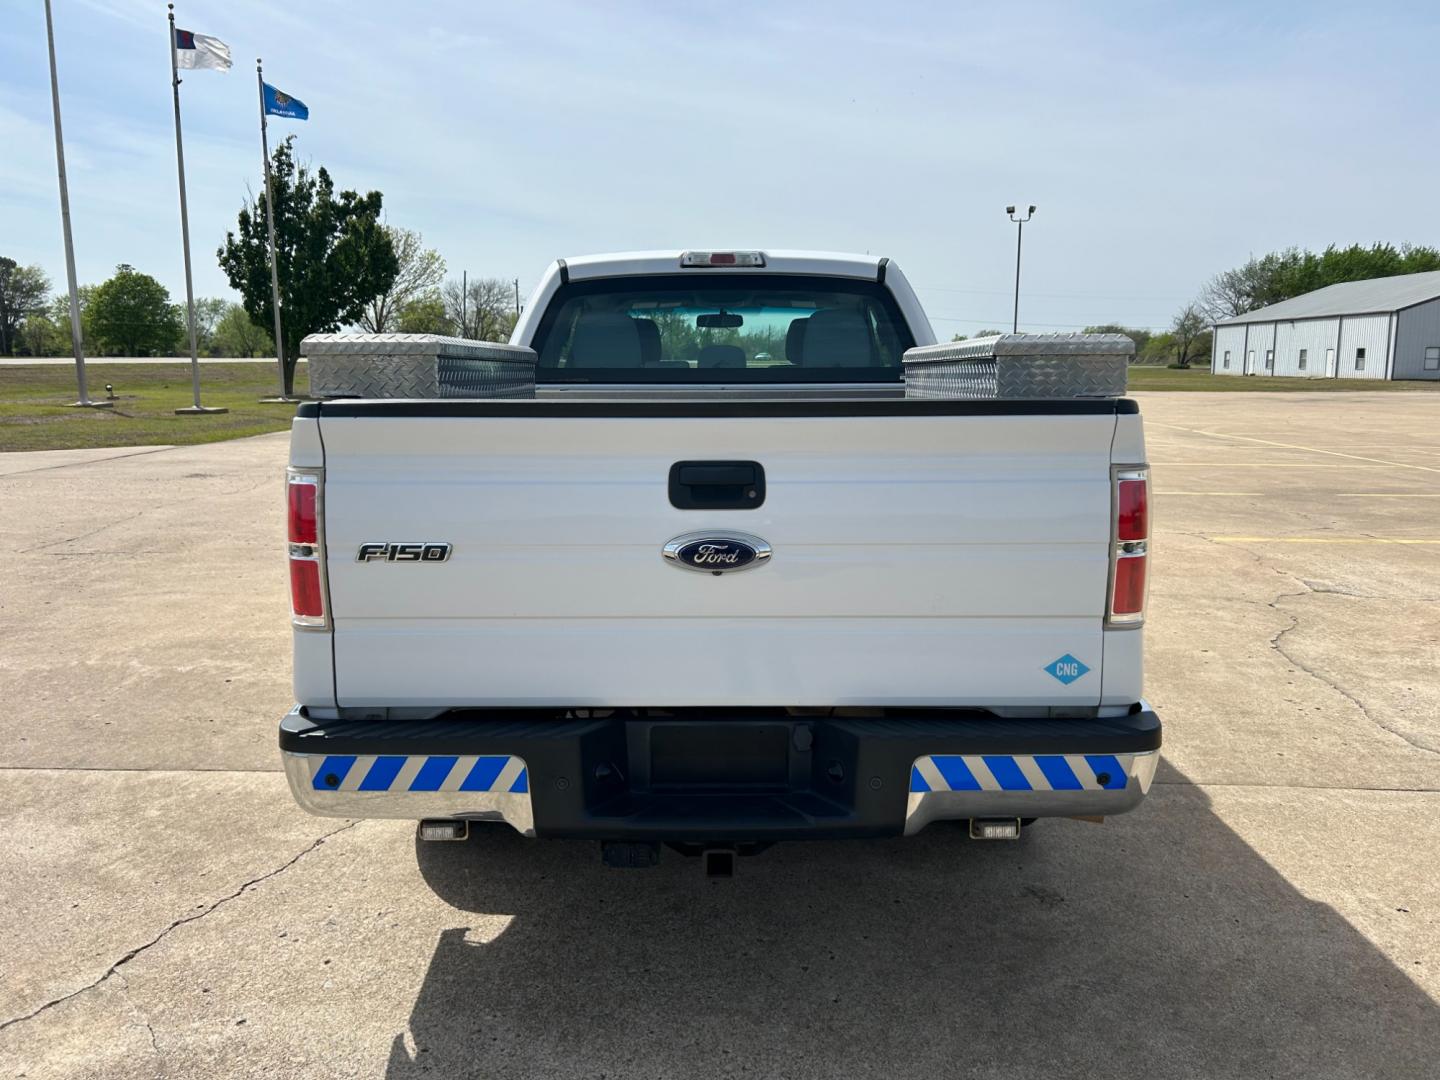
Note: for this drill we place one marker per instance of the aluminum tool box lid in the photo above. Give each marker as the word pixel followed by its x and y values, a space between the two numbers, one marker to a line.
pixel 416 366
pixel 1021 366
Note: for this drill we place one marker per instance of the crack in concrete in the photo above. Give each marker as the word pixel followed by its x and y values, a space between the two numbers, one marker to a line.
pixel 82 536
pixel 1322 587
pixel 92 461
pixel 141 1020
pixel 1331 683
pixel 139 514
pixel 1306 590
pixel 114 968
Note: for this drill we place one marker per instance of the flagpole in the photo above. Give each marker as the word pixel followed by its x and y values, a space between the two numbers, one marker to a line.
pixel 270 226
pixel 196 409
pixel 76 339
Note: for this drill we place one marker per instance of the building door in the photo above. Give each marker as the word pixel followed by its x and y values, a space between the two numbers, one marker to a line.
pixel 1250 362
pixel 1329 363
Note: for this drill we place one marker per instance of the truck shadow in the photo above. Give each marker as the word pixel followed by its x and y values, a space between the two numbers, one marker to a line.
pixel 1158 945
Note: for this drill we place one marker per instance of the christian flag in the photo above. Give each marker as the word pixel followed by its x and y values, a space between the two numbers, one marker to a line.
pixel 194 50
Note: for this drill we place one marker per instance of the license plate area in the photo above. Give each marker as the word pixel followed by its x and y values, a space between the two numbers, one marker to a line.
pixel 716 757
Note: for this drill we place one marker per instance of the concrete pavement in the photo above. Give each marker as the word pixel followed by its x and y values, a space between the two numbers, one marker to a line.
pixel 1271 910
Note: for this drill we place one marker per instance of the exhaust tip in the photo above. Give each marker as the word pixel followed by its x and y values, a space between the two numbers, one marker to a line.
pixel 995 828
pixel 718 862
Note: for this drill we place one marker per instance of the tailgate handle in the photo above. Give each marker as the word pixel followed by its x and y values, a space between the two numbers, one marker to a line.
pixel 717 485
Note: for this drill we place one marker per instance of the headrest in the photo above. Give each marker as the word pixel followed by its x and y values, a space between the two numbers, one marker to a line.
pixel 604 339
pixel 649 342
pixel 795 340
pixel 726 356
pixel 837 337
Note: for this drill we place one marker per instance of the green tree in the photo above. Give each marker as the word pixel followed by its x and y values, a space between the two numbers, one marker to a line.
pixel 23 292
pixel 1281 275
pixel 209 310
pixel 236 335
pixel 1189 334
pixel 131 314
pixel 420 271
pixel 1140 336
pixel 333 254
pixel 424 315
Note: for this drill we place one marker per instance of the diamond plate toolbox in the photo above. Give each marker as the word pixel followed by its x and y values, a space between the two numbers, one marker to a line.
pixel 416 366
pixel 1021 366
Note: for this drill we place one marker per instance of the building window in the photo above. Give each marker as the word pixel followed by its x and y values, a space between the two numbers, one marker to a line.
pixel 1359 359
pixel 1304 356
pixel 1227 357
pixel 1269 359
pixel 1432 358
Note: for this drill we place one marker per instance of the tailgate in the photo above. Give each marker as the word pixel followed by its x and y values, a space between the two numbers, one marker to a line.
pixel 924 555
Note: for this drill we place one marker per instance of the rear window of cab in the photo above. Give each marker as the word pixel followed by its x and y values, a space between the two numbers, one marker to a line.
pixel 731 328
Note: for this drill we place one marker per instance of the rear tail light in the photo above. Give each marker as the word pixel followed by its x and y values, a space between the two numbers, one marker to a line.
pixel 1130 545
pixel 304 500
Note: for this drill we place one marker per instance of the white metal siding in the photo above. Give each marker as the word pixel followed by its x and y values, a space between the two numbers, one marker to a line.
pixel 1232 338
pixel 1260 340
pixel 1417 328
pixel 1312 335
pixel 1368 332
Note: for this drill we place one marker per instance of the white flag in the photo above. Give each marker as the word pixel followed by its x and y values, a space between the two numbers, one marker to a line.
pixel 194 50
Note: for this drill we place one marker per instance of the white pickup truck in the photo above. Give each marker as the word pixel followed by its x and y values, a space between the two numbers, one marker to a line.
pixel 717 582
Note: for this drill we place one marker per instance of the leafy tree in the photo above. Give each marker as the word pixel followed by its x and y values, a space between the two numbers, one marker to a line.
pixel 424 315
pixel 23 291
pixel 1281 275
pixel 236 335
pixel 132 314
pixel 421 270
pixel 1189 334
pixel 1140 336
pixel 333 255
pixel 484 311
pixel 209 310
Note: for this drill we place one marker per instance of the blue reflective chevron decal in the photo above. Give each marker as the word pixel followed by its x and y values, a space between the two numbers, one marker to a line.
pixel 420 773
pixel 1021 772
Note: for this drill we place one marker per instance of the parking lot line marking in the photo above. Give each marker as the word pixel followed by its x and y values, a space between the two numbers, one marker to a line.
pixel 1296 446
pixel 1382 495
pixel 1168 493
pixel 1318 540
pixel 1260 465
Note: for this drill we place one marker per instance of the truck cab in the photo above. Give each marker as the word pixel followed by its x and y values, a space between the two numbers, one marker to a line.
pixel 718 581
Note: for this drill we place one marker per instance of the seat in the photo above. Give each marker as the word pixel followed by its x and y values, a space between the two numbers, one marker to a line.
pixel 837 338
pixel 604 339
pixel 649 342
pixel 795 340
pixel 721 356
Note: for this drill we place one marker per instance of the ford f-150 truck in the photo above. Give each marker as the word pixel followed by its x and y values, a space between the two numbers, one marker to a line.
pixel 716 581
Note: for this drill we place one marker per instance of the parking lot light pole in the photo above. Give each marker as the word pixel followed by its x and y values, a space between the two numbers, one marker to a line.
pixel 1019 236
pixel 77 341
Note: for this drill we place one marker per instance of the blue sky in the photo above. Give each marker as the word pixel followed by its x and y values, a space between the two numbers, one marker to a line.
pixel 1162 143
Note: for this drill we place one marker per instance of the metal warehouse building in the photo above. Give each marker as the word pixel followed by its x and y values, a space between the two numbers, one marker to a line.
pixel 1384 328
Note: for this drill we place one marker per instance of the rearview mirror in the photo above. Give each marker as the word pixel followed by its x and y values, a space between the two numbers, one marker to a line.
pixel 724 320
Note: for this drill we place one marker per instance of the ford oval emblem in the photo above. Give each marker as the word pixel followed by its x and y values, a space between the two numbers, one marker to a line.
pixel 717 552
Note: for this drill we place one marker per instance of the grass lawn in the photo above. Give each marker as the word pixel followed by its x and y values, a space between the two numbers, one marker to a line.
pixel 33 415
pixel 1160 378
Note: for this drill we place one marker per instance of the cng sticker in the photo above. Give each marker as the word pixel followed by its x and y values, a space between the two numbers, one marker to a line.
pixel 1067 669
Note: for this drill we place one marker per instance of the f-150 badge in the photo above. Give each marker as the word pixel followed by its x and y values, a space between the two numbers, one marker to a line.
pixel 717 552
pixel 394 551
